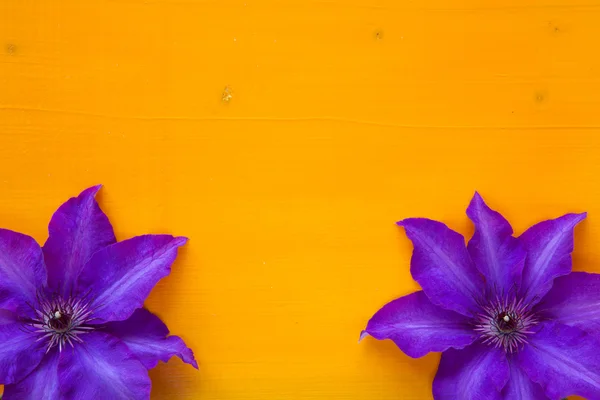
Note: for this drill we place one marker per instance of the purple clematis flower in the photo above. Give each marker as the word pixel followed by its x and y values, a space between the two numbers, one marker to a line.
pixel 512 320
pixel 72 324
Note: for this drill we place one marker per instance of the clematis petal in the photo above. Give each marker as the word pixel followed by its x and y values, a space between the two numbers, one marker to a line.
pixel 102 367
pixel 418 327
pixel 564 360
pixel 19 352
pixel 442 266
pixel 22 271
pixel 520 387
pixel 549 245
pixel 477 372
pixel 574 300
pixel 77 230
pixel 496 254
pixel 147 337
pixel 121 276
pixel 42 383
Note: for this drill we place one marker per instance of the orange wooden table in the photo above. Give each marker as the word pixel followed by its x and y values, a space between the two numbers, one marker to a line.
pixel 285 138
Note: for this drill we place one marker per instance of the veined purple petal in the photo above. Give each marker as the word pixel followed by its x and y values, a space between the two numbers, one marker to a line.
pixel 22 271
pixel 564 360
pixel 42 383
pixel 574 300
pixel 148 339
pixel 102 368
pixel 418 327
pixel 477 372
pixel 496 254
pixel 441 265
pixel 77 230
pixel 549 245
pixel 122 275
pixel 520 387
pixel 19 352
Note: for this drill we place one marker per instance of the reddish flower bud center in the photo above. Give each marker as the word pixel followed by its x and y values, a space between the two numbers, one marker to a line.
pixel 60 321
pixel 507 322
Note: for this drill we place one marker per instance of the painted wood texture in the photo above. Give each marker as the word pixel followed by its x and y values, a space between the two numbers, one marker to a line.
pixel 285 138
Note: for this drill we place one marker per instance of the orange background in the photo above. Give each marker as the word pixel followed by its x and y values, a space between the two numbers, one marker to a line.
pixel 285 138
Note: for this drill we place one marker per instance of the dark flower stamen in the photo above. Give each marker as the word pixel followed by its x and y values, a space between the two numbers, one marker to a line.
pixel 505 323
pixel 61 321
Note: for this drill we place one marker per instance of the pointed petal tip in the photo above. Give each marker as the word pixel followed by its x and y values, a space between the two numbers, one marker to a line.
pixel 91 190
pixel 413 223
pixel 575 218
pixel 363 335
pixel 181 240
pixel 409 221
pixel 477 203
pixel 578 217
pixel 189 358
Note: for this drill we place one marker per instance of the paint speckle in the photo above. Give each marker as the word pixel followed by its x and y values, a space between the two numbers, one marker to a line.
pixel 555 29
pixel 227 95
pixel 540 97
pixel 235 39
pixel 10 49
pixel 378 35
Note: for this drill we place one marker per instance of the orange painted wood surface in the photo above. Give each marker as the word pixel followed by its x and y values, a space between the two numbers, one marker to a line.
pixel 285 138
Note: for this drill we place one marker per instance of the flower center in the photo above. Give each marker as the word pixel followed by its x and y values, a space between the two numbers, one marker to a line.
pixel 60 320
pixel 506 324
